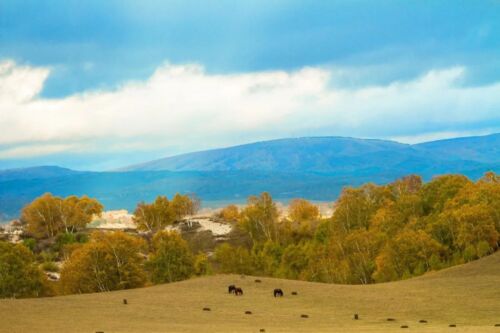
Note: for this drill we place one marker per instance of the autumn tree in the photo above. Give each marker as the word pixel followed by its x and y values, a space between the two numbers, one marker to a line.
pixel 376 233
pixel 355 207
pixel 301 221
pixel 155 216
pixel 260 217
pixel 49 215
pixel 164 212
pixel 230 213
pixel 409 254
pixel 301 210
pixel 19 273
pixel 171 259
pixel 109 261
pixel 439 190
pixel 184 205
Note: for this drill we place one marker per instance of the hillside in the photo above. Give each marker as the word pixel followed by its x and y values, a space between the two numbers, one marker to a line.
pixel 338 155
pixel 466 296
pixel 484 149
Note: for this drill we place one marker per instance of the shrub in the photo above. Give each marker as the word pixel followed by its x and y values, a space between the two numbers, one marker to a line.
pixel 171 259
pixel 19 273
pixel 50 266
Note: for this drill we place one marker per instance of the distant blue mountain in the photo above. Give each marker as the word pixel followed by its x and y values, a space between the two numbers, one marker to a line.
pixel 35 173
pixel 312 168
pixel 336 155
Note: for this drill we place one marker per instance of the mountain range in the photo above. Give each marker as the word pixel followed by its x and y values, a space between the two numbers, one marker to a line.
pixel 314 167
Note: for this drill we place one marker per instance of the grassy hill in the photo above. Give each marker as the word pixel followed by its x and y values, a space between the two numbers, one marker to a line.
pixel 467 296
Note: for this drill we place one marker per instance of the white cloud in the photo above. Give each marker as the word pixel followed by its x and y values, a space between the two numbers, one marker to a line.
pixel 183 106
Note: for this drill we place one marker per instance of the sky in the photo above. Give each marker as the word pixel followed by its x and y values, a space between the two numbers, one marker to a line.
pixel 97 85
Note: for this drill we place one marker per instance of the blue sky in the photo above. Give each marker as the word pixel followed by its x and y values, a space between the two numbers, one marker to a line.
pixel 108 83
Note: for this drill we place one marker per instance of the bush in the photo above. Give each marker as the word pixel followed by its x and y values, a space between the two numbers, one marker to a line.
pixel 19 273
pixel 233 259
pixel 109 261
pixel 50 266
pixel 202 265
pixel 30 243
pixel 171 259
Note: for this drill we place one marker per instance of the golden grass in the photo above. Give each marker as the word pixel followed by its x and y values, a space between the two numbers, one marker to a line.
pixel 467 295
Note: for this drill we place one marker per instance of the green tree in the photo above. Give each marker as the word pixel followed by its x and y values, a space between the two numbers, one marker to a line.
pixel 171 259
pixel 19 273
pixel 294 261
pixel 233 259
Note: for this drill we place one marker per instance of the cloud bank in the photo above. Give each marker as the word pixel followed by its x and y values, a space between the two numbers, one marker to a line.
pixel 185 108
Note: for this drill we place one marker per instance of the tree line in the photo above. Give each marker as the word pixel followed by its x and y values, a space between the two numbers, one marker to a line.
pixel 376 233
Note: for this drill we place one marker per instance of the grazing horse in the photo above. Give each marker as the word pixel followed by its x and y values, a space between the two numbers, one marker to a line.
pixel 231 289
pixel 278 292
pixel 238 291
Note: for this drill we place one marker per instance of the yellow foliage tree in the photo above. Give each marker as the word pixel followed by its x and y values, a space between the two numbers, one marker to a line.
pixel 260 218
pixel 49 215
pixel 109 261
pixel 230 213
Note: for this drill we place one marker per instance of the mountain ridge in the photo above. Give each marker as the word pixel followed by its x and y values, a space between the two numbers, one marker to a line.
pixel 325 154
pixel 315 172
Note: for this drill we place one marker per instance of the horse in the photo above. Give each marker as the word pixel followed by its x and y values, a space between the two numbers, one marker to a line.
pixel 231 289
pixel 278 292
pixel 238 291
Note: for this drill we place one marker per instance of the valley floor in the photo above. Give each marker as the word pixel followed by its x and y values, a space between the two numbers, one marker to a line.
pixel 467 296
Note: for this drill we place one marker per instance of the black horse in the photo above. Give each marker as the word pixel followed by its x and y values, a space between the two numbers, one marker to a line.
pixel 278 292
pixel 238 291
pixel 231 289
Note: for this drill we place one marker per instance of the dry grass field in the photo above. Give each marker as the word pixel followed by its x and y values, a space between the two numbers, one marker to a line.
pixel 467 296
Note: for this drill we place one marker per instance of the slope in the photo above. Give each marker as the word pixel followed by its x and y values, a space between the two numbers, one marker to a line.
pixel 467 296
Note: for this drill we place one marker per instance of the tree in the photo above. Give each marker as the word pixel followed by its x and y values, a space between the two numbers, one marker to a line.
pixel 294 260
pixel 202 265
pixel 19 273
pixel 76 212
pixel 184 205
pixel 233 259
pixel 155 216
pixel 109 261
pixel 437 192
pixel 301 210
pixel 48 215
pixel 163 212
pixel 230 213
pixel 266 257
pixel 171 259
pixel 410 253
pixel 355 207
pixel 260 217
